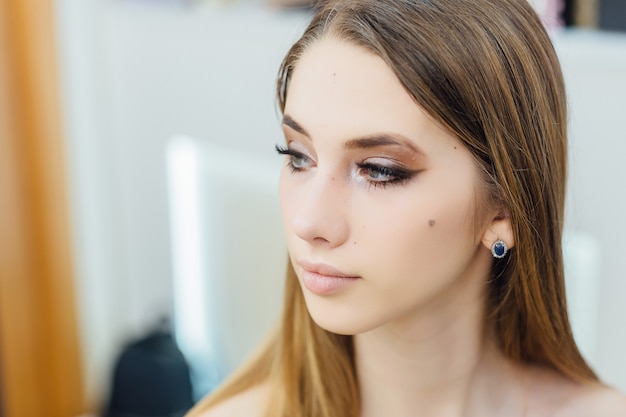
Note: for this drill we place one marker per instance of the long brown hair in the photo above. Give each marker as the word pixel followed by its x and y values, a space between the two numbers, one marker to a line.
pixel 486 70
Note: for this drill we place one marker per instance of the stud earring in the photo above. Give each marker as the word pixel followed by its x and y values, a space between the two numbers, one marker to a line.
pixel 499 249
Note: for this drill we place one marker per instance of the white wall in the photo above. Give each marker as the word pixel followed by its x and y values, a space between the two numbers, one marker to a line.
pixel 137 73
pixel 595 70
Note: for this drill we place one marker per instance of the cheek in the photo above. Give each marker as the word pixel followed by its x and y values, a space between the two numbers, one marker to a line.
pixel 282 192
pixel 286 196
pixel 426 238
pixel 291 198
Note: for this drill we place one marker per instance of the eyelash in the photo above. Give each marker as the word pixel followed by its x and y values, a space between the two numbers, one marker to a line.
pixel 291 154
pixel 397 176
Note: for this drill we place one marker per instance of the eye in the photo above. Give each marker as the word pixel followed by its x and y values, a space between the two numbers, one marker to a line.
pixel 297 161
pixel 381 176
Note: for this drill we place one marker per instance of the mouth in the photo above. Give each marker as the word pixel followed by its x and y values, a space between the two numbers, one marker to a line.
pixel 323 279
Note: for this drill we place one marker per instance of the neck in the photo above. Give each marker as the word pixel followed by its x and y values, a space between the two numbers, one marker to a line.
pixel 443 365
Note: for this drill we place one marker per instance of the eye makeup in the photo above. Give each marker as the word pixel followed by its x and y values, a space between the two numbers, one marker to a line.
pixel 376 158
pixel 382 176
pixel 372 170
pixel 296 161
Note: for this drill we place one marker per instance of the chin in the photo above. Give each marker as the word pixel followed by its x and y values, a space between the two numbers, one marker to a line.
pixel 338 328
pixel 336 317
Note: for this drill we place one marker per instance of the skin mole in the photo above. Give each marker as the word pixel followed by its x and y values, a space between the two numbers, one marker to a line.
pixel 431 223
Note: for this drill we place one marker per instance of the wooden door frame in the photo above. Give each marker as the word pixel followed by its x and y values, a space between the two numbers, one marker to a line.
pixel 40 361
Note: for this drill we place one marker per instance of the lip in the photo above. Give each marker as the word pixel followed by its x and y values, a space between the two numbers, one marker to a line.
pixel 324 279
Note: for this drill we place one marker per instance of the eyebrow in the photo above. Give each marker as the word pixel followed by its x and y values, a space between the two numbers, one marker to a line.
pixel 288 121
pixel 371 141
pixel 382 139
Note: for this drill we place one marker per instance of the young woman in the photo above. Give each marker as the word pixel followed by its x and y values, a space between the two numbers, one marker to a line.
pixel 422 198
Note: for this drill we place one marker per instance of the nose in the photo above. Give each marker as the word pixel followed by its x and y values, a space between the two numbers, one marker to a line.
pixel 319 211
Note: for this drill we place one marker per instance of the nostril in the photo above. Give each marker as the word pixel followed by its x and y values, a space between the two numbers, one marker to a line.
pixel 320 240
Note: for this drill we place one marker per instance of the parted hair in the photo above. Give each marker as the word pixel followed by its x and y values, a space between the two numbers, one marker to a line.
pixel 486 71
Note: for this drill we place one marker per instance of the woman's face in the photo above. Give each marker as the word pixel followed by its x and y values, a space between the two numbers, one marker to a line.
pixel 378 201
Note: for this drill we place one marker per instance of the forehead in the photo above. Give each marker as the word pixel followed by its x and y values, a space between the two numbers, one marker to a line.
pixel 341 90
pixel 335 81
pixel 345 66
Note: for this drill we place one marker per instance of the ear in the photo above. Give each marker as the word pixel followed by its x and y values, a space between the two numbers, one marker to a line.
pixel 499 228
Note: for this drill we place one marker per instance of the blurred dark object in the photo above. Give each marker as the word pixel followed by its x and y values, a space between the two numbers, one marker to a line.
pixel 600 14
pixel 294 4
pixel 567 14
pixel 151 379
pixel 613 15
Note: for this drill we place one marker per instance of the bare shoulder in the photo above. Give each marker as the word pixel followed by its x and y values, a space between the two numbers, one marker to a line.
pixel 594 401
pixel 250 403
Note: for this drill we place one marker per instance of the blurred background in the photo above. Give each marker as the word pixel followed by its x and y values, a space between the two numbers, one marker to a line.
pixel 138 218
